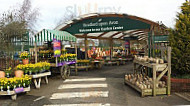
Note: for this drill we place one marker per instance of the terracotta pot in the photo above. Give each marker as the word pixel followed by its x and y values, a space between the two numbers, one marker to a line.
pixel 25 61
pixel 2 74
pixel 19 73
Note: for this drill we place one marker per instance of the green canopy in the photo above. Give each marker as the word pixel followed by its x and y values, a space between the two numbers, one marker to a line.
pixel 48 35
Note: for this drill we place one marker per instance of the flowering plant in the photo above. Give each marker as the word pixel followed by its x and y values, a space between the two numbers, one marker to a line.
pixel 35 68
pixel 83 61
pixel 24 55
pixel 8 70
pixel 12 83
pixel 67 57
pixel 64 51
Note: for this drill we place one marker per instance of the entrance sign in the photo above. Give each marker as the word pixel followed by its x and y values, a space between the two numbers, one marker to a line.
pixel 106 24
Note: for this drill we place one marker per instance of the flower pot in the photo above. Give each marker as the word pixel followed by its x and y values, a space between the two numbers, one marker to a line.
pixel 2 74
pixel 19 73
pixel 25 61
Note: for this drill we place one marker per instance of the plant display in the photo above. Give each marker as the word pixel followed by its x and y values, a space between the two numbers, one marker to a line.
pixel 12 83
pixel 67 57
pixel 45 53
pixel 179 41
pixel 34 68
pixel 83 62
pixel 8 71
pixel 64 51
pixel 24 55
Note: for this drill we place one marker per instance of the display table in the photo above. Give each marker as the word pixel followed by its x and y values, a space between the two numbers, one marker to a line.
pixel 13 93
pixel 121 61
pixel 111 62
pixel 96 64
pixel 156 68
pixel 76 67
pixel 37 78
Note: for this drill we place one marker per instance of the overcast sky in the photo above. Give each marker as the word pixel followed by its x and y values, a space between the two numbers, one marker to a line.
pixel 53 10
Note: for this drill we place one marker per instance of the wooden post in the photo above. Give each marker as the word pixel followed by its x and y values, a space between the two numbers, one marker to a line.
pixel 149 44
pixel 154 81
pixel 76 58
pixel 36 55
pixel 111 49
pixel 162 51
pixel 152 44
pixel 169 71
pixel 86 49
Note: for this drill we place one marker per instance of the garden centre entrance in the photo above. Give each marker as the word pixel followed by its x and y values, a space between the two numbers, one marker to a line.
pixel 122 27
pixel 137 32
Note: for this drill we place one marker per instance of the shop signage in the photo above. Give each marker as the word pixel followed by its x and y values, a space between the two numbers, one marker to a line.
pixel 101 26
pixel 106 24
pixel 57 48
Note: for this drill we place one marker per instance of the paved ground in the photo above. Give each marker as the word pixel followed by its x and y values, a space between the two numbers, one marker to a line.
pixel 103 87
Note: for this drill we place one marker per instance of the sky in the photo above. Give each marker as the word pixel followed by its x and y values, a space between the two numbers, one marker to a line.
pixel 51 11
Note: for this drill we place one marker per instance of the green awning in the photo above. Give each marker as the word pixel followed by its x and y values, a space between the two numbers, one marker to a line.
pixel 48 35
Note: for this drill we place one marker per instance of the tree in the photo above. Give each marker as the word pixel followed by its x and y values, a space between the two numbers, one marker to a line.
pixel 15 23
pixel 65 18
pixel 180 41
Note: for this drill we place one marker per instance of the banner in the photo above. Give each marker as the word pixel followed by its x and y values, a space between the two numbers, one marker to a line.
pixel 127 44
pixel 57 48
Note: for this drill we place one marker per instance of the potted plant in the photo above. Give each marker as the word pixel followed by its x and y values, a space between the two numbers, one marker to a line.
pixel 25 57
pixel 2 74
pixel 19 70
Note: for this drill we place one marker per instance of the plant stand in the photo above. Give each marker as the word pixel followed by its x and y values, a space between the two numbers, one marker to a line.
pixel 13 94
pixel 112 62
pixel 163 68
pixel 121 61
pixel 99 64
pixel 37 78
pixel 76 67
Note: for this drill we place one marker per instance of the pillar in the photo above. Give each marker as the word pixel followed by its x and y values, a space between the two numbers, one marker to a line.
pixel 36 55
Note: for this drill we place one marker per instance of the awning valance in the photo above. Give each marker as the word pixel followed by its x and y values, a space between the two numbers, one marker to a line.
pixel 48 35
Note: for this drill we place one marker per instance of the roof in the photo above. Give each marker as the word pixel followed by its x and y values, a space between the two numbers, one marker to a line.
pixel 125 26
pixel 48 35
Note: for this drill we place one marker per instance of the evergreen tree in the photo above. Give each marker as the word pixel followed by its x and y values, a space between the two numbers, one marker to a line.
pixel 180 41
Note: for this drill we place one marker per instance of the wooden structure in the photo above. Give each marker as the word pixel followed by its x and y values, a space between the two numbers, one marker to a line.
pixel 38 77
pixel 77 67
pixel 162 69
pixel 111 62
pixel 47 35
pixel 12 93
pixel 96 64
